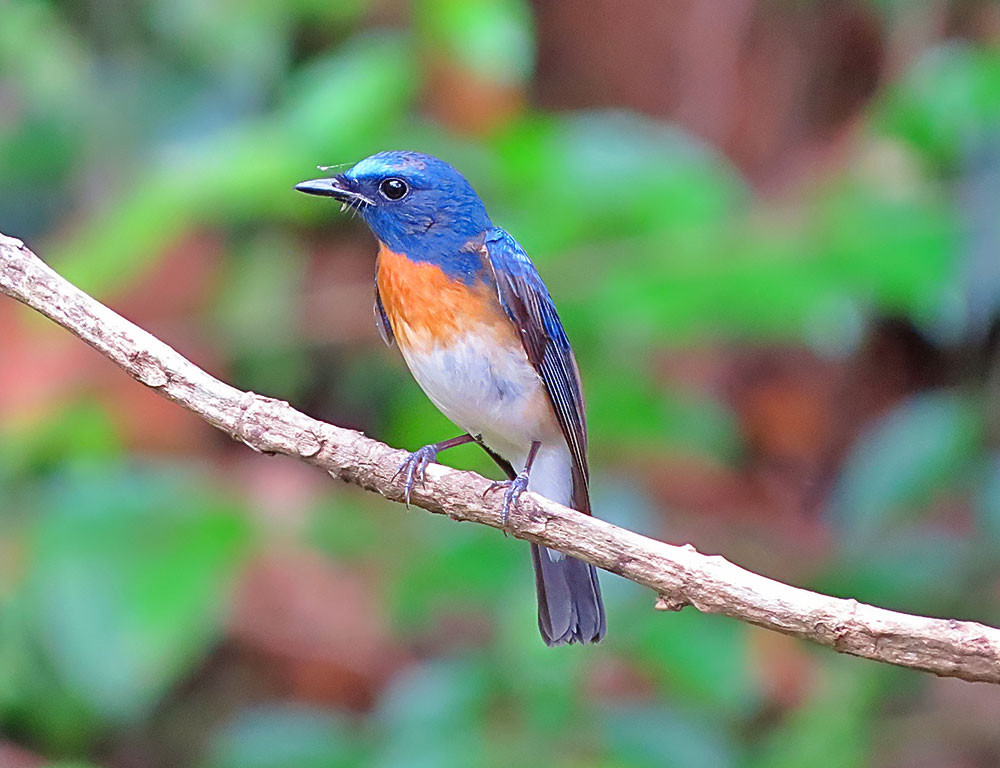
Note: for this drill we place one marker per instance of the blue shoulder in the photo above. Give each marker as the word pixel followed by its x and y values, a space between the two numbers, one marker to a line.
pixel 508 256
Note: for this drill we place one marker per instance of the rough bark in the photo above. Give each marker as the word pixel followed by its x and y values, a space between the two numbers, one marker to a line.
pixel 679 575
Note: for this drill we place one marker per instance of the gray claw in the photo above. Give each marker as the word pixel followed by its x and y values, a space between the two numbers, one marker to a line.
pixel 514 489
pixel 415 466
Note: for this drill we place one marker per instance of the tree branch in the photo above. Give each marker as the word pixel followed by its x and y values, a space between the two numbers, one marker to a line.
pixel 681 576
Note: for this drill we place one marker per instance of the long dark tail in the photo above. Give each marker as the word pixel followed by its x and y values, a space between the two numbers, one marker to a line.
pixel 570 608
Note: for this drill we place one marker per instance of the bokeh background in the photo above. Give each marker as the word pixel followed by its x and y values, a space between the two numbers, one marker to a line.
pixel 772 229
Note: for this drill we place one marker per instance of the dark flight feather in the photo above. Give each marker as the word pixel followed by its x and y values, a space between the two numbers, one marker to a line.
pixel 570 609
pixel 529 306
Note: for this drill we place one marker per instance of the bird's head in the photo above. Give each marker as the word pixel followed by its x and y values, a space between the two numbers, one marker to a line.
pixel 416 204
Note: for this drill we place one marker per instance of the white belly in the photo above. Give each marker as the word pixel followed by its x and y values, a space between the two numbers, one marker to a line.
pixel 495 393
pixel 486 390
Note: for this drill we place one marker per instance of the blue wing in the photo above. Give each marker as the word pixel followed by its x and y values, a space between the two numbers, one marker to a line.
pixel 528 304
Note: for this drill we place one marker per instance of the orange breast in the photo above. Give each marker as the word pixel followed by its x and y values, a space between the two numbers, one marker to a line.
pixel 426 307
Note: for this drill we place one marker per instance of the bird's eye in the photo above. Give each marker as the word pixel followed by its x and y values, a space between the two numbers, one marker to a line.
pixel 393 189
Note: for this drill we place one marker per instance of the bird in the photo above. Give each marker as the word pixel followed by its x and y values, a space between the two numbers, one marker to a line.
pixel 480 333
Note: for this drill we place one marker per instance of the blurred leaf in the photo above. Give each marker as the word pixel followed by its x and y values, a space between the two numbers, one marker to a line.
pixel 462 565
pixel 702 659
pixel 907 570
pixel 340 104
pixel 282 736
pixel 70 764
pixel 896 250
pixel 251 47
pixel 629 412
pixel 79 428
pixel 50 63
pixel 32 699
pixel 834 727
pixel 900 461
pixel 491 38
pixel 704 276
pixel 128 574
pixel 37 156
pixel 708 284
pixel 660 737
pixel 258 312
pixel 345 528
pixel 946 103
pixel 980 275
pixel 543 690
pixel 988 501
pixel 581 179
pixel 432 716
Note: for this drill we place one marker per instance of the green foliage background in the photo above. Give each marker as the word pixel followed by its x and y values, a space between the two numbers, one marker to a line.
pixel 130 131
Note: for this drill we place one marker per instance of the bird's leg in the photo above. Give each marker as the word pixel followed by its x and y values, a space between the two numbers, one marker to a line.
pixel 516 486
pixel 415 465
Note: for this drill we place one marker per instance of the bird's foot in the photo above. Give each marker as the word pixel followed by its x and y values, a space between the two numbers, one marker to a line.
pixel 415 466
pixel 415 469
pixel 513 490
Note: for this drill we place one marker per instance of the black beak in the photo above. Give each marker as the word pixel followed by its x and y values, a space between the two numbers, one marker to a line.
pixel 335 187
